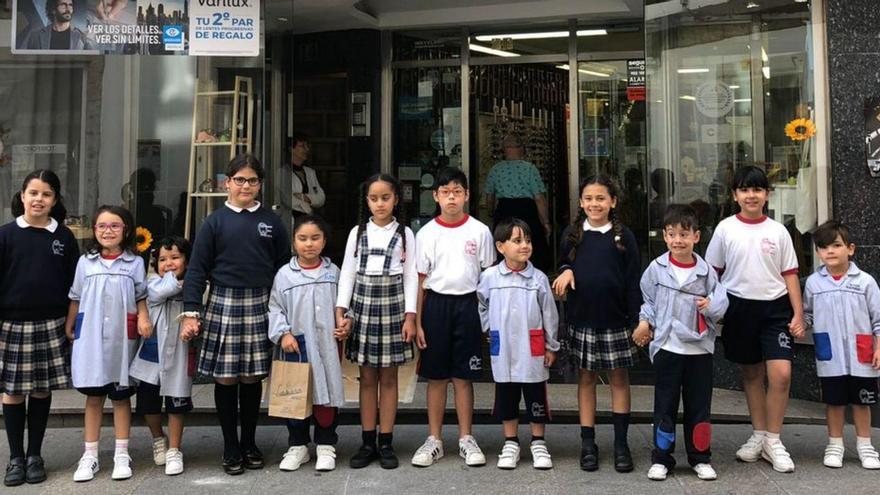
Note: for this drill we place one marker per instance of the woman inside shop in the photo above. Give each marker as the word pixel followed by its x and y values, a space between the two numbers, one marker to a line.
pixel 517 186
pixel 307 192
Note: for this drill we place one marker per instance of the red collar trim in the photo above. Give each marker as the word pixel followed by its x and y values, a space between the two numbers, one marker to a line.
pixel 683 265
pixel 513 269
pixel 751 221
pixel 302 267
pixel 459 223
pixel 837 277
pixel 110 257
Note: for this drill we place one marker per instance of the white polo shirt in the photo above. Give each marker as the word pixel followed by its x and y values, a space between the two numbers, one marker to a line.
pixel 452 256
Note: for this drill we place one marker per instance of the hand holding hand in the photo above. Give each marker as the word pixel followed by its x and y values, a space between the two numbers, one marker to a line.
pixel 563 282
pixel 642 335
pixel 549 358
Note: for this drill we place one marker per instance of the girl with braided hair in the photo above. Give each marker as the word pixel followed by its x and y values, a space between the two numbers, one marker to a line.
pixel 378 289
pixel 600 267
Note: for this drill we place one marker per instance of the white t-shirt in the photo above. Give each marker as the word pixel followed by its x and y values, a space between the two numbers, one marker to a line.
pixel 453 255
pixel 754 254
pixel 673 343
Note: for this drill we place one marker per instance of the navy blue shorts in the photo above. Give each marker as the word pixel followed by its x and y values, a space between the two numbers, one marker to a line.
pixel 454 336
pixel 150 402
pixel 756 331
pixel 507 399
pixel 848 389
pixel 110 390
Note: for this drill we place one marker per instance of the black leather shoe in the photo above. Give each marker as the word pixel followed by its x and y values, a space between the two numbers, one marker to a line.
pixel 253 458
pixel 590 457
pixel 36 471
pixel 233 465
pixel 387 458
pixel 365 455
pixel 15 472
pixel 623 461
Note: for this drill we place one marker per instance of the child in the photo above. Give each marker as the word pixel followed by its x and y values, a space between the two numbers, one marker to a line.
pixel 842 304
pixel 238 249
pixel 683 302
pixel 451 250
pixel 301 321
pixel 33 306
pixel 162 364
pixel 379 285
pixel 518 311
pixel 600 264
pixel 108 311
pixel 759 269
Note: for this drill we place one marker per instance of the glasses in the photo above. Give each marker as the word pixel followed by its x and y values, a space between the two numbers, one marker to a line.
pixel 114 226
pixel 451 192
pixel 240 181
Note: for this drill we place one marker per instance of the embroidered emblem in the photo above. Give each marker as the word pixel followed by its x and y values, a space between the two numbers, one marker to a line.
pixel 768 246
pixel 784 340
pixel 264 229
pixel 867 396
pixel 538 410
pixel 57 248
pixel 470 247
pixel 476 363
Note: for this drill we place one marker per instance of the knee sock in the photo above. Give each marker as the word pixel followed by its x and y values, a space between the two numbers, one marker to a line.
pixel 368 437
pixel 15 416
pixel 249 396
pixel 621 428
pixel 386 438
pixel 37 419
pixel 226 402
pixel 588 435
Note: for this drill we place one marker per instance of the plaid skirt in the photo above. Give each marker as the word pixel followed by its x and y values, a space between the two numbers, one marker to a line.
pixel 602 349
pixel 236 329
pixel 376 338
pixel 34 356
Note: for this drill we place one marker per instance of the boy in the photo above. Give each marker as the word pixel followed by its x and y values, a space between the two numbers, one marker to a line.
pixel 518 311
pixel 683 302
pixel 842 304
pixel 451 250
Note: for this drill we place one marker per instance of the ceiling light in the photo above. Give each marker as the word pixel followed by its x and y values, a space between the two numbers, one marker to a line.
pixel 766 71
pixel 693 71
pixel 592 32
pixel 687 97
pixel 536 36
pixel 752 5
pixel 764 56
pixel 585 71
pixel 742 100
pixel 801 1
pixel 282 19
pixel 491 51
pixel 734 86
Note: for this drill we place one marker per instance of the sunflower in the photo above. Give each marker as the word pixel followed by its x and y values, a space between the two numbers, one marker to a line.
pixel 800 129
pixel 144 239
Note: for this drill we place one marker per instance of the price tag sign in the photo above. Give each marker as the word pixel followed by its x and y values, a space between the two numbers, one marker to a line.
pixel 224 28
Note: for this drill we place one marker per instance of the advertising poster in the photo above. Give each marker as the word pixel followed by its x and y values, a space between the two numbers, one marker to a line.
pixel 225 27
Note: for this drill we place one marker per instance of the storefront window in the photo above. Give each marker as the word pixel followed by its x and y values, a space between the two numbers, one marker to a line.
pixel 427 45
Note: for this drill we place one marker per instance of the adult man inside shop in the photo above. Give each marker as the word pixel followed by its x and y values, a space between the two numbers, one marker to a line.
pixel 59 34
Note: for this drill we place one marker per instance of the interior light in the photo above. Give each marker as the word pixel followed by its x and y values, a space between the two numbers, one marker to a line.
pixel 734 86
pixel 687 97
pixel 693 71
pixel 764 56
pixel 537 36
pixel 766 71
pixel 742 100
pixel 584 71
pixel 752 5
pixel 491 51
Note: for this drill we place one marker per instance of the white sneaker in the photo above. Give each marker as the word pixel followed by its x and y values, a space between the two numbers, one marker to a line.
pixel 774 453
pixel 869 457
pixel 751 450
pixel 541 456
pixel 430 452
pixel 121 467
pixel 326 458
pixel 470 451
pixel 173 462
pixel 294 458
pixel 833 456
pixel 160 445
pixel 657 472
pixel 87 468
pixel 509 456
pixel 705 472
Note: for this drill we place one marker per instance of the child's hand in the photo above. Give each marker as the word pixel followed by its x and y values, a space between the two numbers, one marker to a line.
pixel 145 326
pixel 68 329
pixel 563 282
pixel 189 328
pixel 421 343
pixel 288 343
pixel 876 361
pixel 409 328
pixel 342 332
pixel 642 335
pixel 702 303
pixel 796 326
pixel 549 358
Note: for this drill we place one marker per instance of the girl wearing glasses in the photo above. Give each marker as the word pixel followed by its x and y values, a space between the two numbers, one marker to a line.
pixel 238 249
pixel 107 314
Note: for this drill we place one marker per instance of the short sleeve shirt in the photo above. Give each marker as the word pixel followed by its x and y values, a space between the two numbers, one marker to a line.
pixel 514 179
pixel 451 256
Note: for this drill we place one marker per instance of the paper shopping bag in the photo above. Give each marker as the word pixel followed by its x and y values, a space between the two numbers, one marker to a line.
pixel 290 393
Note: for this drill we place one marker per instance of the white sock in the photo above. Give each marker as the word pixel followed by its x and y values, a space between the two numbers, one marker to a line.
pixel 863 441
pixel 772 437
pixel 92 448
pixel 759 433
pixel 838 441
pixel 121 446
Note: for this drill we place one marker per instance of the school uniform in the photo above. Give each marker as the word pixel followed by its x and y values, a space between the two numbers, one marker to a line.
pixel 518 311
pixel 106 335
pixel 604 306
pixel 164 365
pixel 379 284
pixel 451 256
pixel 845 315
pixel 37 267
pixel 753 257
pixel 681 352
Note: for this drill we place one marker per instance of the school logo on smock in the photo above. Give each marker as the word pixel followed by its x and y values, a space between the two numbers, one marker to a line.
pixel 867 396
pixel 475 363
pixel 470 247
pixel 57 248
pixel 768 246
pixel 538 410
pixel 264 229
pixel 784 340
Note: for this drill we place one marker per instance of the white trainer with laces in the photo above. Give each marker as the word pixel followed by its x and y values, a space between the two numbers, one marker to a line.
pixel 295 457
pixel 160 446
pixel 509 455
pixel 470 451
pixel 121 466
pixel 705 472
pixel 833 456
pixel 430 452
pixel 776 454
pixel 657 472
pixel 326 458
pixel 541 455
pixel 173 462
pixel 869 456
pixel 751 450
pixel 87 468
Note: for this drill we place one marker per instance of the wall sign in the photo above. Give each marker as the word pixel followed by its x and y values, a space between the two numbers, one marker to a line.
pixel 714 99
pixel 225 27
pixel 635 80
pixel 872 136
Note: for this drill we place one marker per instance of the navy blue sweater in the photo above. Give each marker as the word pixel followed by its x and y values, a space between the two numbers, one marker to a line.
pixel 36 271
pixel 242 250
pixel 607 291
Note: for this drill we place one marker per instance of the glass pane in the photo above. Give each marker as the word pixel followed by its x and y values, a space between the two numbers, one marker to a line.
pixel 427 45
pixel 603 39
pixel 514 43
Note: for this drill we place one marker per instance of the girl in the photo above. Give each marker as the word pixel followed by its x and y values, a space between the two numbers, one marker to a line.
pixel 162 365
pixel 238 249
pixel 601 267
pixel 379 286
pixel 108 311
pixel 33 306
pixel 758 266
pixel 301 321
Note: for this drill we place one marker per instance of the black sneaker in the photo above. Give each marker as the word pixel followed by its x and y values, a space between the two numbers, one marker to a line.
pixel 15 472
pixel 387 459
pixel 253 458
pixel 233 465
pixel 365 455
pixel 590 457
pixel 623 461
pixel 36 471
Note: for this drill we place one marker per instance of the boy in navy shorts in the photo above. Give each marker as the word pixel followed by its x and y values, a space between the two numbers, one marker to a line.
pixel 451 251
